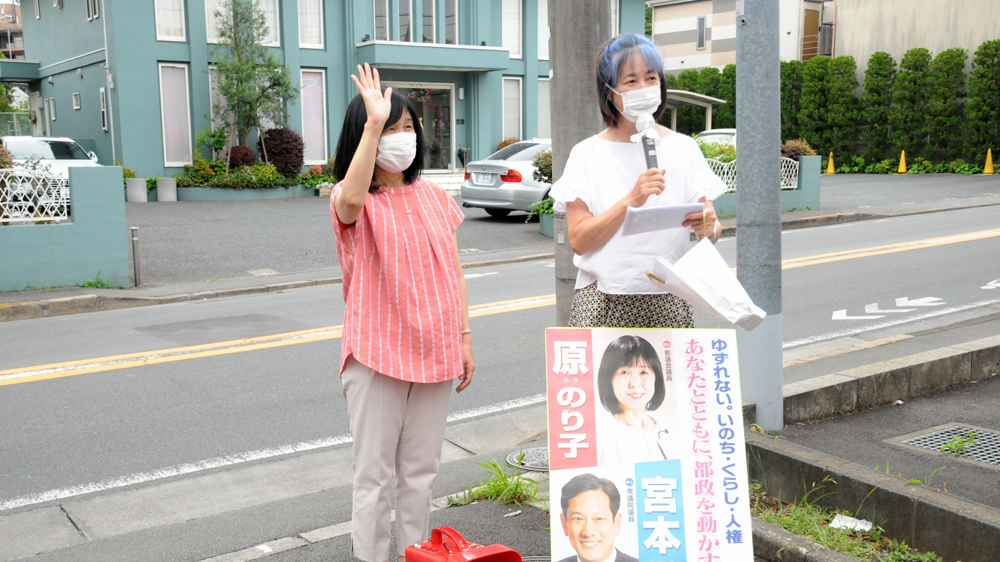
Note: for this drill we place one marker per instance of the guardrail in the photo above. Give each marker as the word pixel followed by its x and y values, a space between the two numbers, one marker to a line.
pixel 29 196
pixel 727 173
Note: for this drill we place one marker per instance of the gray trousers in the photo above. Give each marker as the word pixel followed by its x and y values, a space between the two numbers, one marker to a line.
pixel 398 428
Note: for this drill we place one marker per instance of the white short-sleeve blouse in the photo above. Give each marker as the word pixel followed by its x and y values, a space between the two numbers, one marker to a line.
pixel 600 173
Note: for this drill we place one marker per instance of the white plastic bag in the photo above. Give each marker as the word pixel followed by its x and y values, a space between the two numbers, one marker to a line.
pixel 702 278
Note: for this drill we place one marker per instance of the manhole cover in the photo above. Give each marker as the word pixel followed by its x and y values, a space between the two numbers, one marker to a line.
pixel 536 458
pixel 986 449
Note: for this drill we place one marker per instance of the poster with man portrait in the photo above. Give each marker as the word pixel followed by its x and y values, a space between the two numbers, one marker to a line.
pixel 646 446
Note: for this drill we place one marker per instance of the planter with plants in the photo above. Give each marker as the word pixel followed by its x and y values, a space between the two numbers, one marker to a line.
pixel 543 172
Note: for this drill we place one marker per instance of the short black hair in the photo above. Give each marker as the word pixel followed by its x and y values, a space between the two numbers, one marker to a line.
pixel 354 126
pixel 586 482
pixel 623 352
pixel 608 64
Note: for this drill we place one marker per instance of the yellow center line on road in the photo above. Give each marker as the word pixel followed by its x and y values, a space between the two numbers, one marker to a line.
pixel 127 361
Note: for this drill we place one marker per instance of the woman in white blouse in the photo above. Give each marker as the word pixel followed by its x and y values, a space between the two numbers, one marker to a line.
pixel 606 174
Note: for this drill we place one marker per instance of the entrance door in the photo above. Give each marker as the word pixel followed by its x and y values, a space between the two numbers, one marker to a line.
pixel 35 106
pixel 434 103
pixel 810 35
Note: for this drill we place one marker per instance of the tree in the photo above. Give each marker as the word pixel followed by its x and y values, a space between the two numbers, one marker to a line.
pixel 791 91
pixel 946 105
pixel 708 84
pixel 876 101
pixel 687 115
pixel 982 113
pixel 812 113
pixel 255 85
pixel 725 114
pixel 842 106
pixel 6 95
pixel 649 21
pixel 909 99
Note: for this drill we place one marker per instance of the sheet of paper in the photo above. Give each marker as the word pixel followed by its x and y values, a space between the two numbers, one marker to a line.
pixel 638 221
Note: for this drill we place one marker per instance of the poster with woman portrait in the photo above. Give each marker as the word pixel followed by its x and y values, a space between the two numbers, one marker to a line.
pixel 646 446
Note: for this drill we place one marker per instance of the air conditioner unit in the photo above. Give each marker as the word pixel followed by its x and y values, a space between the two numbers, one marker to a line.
pixel 825 46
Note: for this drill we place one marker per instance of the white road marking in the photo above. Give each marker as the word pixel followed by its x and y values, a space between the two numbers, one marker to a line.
pixel 886 324
pixel 995 284
pixel 232 460
pixel 926 301
pixel 874 309
pixel 842 315
pixel 475 275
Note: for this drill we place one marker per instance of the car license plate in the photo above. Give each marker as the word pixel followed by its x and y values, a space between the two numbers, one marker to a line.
pixel 482 179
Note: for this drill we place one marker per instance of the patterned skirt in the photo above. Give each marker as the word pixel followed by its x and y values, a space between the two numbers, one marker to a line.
pixel 592 309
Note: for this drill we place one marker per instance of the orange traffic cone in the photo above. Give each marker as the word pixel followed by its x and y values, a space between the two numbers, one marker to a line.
pixel 829 167
pixel 988 169
pixel 902 162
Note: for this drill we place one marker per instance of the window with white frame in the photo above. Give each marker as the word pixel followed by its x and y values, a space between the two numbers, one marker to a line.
pixel 169 20
pixel 273 22
pixel 76 100
pixel 212 13
pixel 311 24
pixel 175 115
pixel 512 108
pixel 406 20
pixel 451 22
pixel 93 8
pixel 701 33
pixel 511 22
pixel 314 116
pixel 381 19
pixel 544 108
pixel 104 111
pixel 427 26
pixel 543 30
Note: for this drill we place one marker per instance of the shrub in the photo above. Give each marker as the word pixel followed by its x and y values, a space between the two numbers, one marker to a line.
pixel 543 207
pixel 127 173
pixel 241 156
pixel 7 159
pixel 803 147
pixel 920 166
pixel 215 141
pixel 842 107
pixel 201 173
pixel 690 119
pixel 312 180
pixel 876 102
pixel 909 97
pixel 946 105
pixel 506 142
pixel 887 166
pixel 543 166
pixel 982 113
pixel 237 178
pixel 721 151
pixel 856 165
pixel 962 167
pixel 793 152
pixel 812 116
pixel 285 149
pixel 791 91
pixel 724 115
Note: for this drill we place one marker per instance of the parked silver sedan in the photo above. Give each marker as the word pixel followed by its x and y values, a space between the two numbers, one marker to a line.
pixel 504 181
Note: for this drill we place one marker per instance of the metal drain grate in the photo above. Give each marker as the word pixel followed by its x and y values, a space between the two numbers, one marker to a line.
pixel 536 458
pixel 987 448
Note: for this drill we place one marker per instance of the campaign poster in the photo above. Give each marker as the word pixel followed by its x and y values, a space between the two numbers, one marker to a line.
pixel 646 446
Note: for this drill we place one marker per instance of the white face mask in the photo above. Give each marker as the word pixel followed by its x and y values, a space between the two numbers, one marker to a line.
pixel 396 151
pixel 643 101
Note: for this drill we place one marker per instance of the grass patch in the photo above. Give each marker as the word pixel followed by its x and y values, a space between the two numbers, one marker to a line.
pixel 501 487
pixel 811 521
pixel 97 283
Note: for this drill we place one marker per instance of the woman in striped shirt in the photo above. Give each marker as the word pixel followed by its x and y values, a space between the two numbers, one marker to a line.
pixel 406 322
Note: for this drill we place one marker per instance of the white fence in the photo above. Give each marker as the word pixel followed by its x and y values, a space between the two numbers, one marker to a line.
pixel 28 196
pixel 727 172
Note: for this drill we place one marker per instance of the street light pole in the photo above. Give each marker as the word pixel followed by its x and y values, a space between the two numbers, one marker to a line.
pixel 758 211
pixel 578 28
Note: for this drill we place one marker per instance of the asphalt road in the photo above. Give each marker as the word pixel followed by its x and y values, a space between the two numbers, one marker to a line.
pixel 108 423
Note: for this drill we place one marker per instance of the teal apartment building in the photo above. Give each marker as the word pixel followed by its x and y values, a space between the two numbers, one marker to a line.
pixel 132 80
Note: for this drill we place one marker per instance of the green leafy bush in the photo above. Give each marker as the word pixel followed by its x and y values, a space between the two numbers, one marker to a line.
pixel 803 146
pixel 312 180
pixel 258 176
pixel 842 111
pixel 855 165
pixel 946 105
pixel 543 166
pixel 285 149
pixel 214 141
pixel 907 119
pixel 690 119
pixel 962 167
pixel 887 166
pixel 201 173
pixel 127 173
pixel 982 113
pixel 812 116
pixel 876 102
pixel 721 151
pixel 791 91
pixel 543 207
pixel 506 142
pixel 920 166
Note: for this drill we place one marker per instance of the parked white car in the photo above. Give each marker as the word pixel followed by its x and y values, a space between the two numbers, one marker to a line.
pixel 58 154
pixel 727 136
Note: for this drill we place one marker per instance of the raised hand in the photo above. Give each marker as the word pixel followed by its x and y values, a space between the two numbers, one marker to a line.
pixel 376 102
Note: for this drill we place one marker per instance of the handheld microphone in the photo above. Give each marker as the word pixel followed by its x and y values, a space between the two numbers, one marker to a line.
pixel 647 136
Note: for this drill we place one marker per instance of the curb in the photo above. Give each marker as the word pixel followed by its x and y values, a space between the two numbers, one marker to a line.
pixel 885 382
pixel 774 544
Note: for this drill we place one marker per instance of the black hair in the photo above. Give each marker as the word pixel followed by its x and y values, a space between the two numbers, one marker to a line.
pixel 586 482
pixel 623 352
pixel 354 126
pixel 608 64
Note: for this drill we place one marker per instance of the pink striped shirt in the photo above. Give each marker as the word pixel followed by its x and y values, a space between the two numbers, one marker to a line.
pixel 403 315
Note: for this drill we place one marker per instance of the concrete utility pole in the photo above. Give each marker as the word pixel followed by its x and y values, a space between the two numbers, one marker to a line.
pixel 577 28
pixel 758 211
